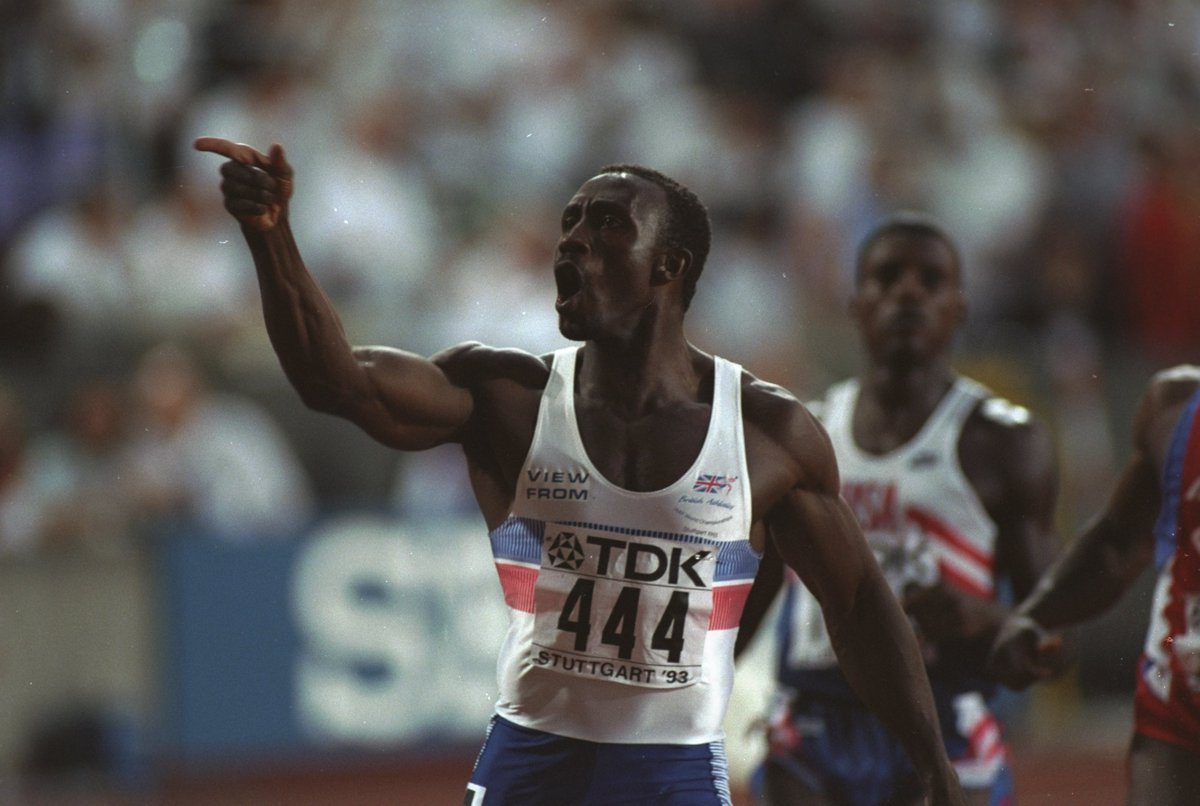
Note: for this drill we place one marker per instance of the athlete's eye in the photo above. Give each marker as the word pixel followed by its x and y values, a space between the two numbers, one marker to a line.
pixel 886 274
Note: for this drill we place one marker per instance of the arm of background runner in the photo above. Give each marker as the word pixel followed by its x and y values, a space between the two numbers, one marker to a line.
pixel 401 399
pixel 1103 562
pixel 1010 459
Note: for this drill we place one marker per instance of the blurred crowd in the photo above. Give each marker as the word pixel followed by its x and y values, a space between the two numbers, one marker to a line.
pixel 434 144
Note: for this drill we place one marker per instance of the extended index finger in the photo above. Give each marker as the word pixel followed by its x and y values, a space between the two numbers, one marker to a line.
pixel 238 152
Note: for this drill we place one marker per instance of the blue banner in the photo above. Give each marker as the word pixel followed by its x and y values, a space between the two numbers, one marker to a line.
pixel 367 633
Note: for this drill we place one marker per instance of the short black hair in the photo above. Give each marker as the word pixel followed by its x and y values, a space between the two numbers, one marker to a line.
pixel 904 222
pixel 687 224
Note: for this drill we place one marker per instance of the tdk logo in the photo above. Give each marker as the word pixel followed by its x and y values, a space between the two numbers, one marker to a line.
pixel 644 562
pixel 557 485
pixel 565 552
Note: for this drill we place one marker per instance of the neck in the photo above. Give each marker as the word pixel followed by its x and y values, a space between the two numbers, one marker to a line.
pixel 908 386
pixel 894 404
pixel 633 376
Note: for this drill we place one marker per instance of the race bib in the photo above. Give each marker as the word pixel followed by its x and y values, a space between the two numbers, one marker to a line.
pixel 632 609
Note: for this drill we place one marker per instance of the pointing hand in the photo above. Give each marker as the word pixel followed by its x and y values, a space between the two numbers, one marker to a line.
pixel 256 186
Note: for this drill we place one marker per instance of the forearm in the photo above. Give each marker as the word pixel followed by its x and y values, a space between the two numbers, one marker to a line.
pixel 879 655
pixel 1102 563
pixel 401 399
pixel 1093 574
pixel 302 324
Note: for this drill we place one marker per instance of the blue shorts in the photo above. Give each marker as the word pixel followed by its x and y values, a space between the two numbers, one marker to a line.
pixel 840 749
pixel 523 767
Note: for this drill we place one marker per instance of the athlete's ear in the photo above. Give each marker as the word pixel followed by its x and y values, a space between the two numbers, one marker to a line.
pixel 671 265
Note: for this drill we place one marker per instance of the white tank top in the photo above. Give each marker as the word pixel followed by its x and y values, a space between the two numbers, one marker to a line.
pixel 916 507
pixel 624 605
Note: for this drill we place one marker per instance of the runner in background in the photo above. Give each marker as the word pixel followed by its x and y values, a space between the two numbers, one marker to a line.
pixel 955 490
pixel 1152 516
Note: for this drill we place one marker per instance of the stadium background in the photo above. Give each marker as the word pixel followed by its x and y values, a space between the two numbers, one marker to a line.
pixel 167 636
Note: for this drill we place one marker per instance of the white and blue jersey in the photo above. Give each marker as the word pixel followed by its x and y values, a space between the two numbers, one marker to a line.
pixel 924 522
pixel 624 605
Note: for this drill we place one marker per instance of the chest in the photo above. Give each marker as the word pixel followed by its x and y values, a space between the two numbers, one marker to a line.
pixel 645 452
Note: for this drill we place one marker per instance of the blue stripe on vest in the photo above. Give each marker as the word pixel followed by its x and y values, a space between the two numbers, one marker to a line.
pixel 518 540
pixel 1172 480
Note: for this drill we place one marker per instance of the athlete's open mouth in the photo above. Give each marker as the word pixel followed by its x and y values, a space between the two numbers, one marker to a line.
pixel 907 321
pixel 569 280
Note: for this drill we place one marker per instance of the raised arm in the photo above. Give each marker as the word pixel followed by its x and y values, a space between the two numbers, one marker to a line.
pixel 401 399
pixel 816 534
pixel 1107 557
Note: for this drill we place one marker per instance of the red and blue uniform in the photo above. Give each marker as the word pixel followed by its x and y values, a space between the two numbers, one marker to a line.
pixel 1167 698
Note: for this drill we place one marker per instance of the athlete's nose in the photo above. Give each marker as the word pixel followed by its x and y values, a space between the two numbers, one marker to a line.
pixel 908 284
pixel 571 242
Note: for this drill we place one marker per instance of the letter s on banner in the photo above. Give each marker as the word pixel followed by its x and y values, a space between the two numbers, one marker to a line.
pixel 380 605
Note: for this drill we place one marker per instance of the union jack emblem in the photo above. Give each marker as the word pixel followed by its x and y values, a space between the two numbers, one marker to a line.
pixel 709 483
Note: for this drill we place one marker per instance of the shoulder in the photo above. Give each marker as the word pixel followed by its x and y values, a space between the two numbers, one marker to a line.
pixel 783 429
pixel 1172 387
pixel 998 420
pixel 1162 403
pixel 772 408
pixel 1006 441
pixel 472 364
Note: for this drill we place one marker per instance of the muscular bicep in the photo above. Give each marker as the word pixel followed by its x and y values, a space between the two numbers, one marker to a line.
pixel 407 401
pixel 816 534
pixel 807 521
pixel 1123 532
pixel 1025 509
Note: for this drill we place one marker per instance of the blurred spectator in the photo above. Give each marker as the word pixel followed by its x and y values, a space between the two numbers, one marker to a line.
pixel 62 486
pixel 499 289
pixel 986 179
pixel 209 460
pixel 751 274
pixel 79 466
pixel 372 231
pixel 186 281
pixel 52 101
pixel 20 513
pixel 1160 252
pixel 831 143
pixel 74 257
pixel 274 100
